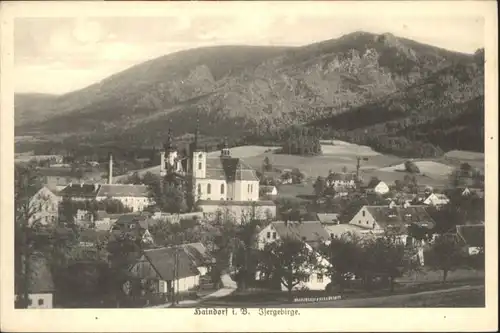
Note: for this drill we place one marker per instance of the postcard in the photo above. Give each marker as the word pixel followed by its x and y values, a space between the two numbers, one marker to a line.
pixel 249 166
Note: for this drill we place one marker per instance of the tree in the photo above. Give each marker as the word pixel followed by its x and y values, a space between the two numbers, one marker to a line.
pixel 373 182
pixel 445 254
pixel 343 253
pixel 411 167
pixel 167 197
pixel 267 166
pixel 388 257
pixel 319 187
pixel 290 260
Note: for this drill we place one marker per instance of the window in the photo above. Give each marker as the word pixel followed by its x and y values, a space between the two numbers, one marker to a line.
pixel 30 301
pixel 199 189
pixel 274 235
pixel 199 166
pixel 306 279
pixel 248 188
pixel 268 235
pixel 359 221
pixel 319 278
pixel 209 188
pixel 40 301
pixel 200 156
pixel 366 222
pixel 221 188
pixel 364 213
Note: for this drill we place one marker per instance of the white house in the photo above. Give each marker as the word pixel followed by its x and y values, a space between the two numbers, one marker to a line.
pixel 268 190
pixel 311 232
pixel 436 199
pixel 44 207
pixel 170 268
pixel 379 219
pixel 345 180
pixel 41 287
pixel 380 188
pixel 134 197
pixel 313 235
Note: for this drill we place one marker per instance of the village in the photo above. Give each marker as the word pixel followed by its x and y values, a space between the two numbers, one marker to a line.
pixel 210 229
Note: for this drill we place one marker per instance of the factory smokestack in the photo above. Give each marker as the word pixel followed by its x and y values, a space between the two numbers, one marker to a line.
pixel 110 169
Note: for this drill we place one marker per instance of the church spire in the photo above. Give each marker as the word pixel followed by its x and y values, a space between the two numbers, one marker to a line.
pixel 169 147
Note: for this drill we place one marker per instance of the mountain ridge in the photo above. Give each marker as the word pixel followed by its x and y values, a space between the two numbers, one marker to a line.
pixel 247 89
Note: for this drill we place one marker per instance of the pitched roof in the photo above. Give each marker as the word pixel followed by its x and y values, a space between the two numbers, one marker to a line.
pixel 145 221
pixel 327 217
pixel 230 169
pixel 337 230
pixel 400 216
pixel 80 190
pixel 312 232
pixel 123 190
pixel 472 235
pixel 198 253
pixel 163 260
pixel 41 277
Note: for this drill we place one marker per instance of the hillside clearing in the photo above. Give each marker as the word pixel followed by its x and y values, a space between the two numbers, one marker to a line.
pixel 426 167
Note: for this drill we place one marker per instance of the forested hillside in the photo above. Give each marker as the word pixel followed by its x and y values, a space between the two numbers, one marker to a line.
pixel 360 85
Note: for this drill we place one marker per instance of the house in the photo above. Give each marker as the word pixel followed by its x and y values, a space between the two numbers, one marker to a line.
pixel 328 218
pixel 104 220
pixel 436 199
pixel 268 190
pixel 468 191
pixel 311 232
pixel 44 207
pixel 41 285
pixel 169 268
pixel 136 225
pixel 200 256
pixel 80 192
pixel 313 235
pixel 471 237
pixel 62 177
pixel 134 197
pixel 340 230
pixel 379 188
pixel 397 219
pixel 346 180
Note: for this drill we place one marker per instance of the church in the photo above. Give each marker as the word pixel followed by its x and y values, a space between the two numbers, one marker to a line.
pixel 222 184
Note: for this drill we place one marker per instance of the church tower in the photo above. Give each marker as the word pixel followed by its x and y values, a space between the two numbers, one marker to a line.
pixel 169 158
pixel 225 152
pixel 198 156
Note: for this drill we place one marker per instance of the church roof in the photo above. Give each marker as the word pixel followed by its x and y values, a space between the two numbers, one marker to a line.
pixel 230 169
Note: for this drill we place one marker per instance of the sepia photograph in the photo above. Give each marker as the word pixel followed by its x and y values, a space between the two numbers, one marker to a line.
pixel 251 163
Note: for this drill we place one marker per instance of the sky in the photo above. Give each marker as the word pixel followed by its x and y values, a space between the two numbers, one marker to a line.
pixel 59 55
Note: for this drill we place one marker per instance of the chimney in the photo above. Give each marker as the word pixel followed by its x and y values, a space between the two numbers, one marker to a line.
pixel 110 169
pixel 162 163
pixel 96 186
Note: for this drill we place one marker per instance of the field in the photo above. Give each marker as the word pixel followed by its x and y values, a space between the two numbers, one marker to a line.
pixel 431 168
pixel 342 155
pixel 338 155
